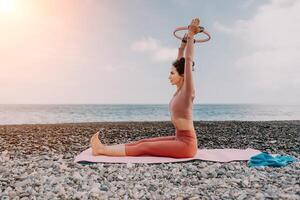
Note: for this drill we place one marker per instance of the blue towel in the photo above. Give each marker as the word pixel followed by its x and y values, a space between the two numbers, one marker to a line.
pixel 265 159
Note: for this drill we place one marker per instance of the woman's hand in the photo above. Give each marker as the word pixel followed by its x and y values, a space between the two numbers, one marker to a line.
pixel 194 27
pixel 184 41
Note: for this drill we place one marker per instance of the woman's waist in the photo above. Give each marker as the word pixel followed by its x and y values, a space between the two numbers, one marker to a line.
pixel 186 133
pixel 183 123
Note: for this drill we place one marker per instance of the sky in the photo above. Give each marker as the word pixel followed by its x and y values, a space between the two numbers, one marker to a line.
pixel 121 51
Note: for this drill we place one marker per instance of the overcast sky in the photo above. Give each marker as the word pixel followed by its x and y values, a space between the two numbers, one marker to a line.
pixel 121 51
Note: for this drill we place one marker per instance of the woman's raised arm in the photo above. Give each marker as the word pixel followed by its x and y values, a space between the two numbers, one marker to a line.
pixel 188 83
pixel 181 48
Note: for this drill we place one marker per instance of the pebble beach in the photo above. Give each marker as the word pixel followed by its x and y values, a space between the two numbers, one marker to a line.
pixel 37 162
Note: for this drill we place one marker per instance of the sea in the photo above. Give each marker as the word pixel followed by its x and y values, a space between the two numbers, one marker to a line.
pixel 74 113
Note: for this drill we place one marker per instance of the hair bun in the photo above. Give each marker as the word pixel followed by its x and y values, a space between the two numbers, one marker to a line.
pixel 182 60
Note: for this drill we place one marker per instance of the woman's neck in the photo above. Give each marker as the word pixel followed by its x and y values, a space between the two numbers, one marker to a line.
pixel 179 86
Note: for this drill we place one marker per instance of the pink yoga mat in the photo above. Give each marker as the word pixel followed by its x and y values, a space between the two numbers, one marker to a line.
pixel 217 155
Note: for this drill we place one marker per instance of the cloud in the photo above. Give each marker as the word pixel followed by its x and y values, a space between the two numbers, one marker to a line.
pixel 271 39
pixel 222 28
pixel 247 3
pixel 115 68
pixel 153 48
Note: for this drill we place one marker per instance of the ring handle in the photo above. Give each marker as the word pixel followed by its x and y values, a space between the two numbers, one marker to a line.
pixel 196 40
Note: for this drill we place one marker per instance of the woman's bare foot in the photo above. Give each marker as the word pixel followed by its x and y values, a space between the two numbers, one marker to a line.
pixel 97 147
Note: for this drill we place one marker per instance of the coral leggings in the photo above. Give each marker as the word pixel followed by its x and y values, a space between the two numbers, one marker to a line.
pixel 182 145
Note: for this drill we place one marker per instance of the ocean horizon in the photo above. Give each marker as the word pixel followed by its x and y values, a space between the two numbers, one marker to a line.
pixel 77 113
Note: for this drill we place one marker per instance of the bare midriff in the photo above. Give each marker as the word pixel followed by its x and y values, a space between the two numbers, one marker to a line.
pixel 183 124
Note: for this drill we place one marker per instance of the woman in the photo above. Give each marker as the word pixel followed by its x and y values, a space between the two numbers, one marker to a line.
pixel 184 143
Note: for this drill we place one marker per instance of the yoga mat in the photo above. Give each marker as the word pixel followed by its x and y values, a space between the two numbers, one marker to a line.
pixel 217 155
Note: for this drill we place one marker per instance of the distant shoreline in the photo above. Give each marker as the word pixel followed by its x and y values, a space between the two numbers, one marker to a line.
pixel 124 122
pixel 67 114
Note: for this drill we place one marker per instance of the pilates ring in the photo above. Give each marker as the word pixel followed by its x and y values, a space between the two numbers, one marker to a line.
pixel 196 40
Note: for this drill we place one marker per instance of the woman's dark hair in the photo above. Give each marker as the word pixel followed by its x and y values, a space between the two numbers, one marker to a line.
pixel 179 65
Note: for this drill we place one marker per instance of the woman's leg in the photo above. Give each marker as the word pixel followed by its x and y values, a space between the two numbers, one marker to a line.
pixel 177 148
pixel 167 148
pixel 154 139
pixel 119 149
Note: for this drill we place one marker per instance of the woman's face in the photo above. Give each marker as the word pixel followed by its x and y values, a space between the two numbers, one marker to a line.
pixel 174 77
